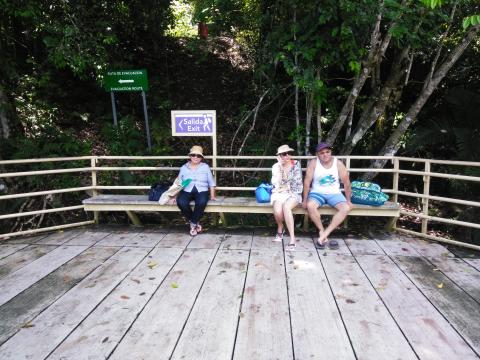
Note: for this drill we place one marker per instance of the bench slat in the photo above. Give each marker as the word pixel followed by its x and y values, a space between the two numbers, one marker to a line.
pixel 223 205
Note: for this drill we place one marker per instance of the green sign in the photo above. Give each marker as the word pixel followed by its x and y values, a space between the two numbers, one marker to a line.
pixel 126 80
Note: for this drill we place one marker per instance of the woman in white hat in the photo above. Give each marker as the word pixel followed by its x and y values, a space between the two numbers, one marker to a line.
pixel 202 184
pixel 287 192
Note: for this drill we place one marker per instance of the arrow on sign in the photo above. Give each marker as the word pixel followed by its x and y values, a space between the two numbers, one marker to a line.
pixel 125 81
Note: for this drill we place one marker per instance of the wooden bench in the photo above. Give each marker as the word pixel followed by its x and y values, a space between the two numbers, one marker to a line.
pixel 133 203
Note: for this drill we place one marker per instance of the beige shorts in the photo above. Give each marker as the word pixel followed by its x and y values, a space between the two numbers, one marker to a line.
pixel 283 197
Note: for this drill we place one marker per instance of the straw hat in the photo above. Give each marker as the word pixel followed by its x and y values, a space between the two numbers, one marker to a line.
pixel 284 149
pixel 196 149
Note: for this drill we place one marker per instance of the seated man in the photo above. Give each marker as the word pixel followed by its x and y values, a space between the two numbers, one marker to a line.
pixel 324 175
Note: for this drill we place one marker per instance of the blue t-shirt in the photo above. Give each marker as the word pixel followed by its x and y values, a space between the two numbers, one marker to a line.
pixel 202 177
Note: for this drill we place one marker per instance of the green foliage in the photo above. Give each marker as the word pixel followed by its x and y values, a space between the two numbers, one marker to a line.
pixel 471 21
pixel 182 26
pixel 124 139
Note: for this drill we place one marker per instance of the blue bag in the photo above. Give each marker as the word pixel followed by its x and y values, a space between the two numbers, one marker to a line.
pixel 367 193
pixel 263 193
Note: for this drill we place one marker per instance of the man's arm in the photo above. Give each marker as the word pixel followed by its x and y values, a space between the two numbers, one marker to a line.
pixel 345 179
pixel 308 180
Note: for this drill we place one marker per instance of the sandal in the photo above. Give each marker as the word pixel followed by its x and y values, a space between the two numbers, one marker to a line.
pixel 333 244
pixel 193 230
pixel 290 247
pixel 319 246
pixel 279 237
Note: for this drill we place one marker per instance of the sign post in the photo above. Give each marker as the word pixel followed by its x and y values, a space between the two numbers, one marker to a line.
pixel 196 123
pixel 128 81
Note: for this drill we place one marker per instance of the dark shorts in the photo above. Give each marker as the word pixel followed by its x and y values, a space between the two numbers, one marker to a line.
pixel 330 199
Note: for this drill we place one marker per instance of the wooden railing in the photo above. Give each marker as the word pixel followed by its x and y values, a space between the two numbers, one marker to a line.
pixel 393 179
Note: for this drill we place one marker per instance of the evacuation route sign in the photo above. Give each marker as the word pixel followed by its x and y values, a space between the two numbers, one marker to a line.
pixel 126 80
pixel 193 122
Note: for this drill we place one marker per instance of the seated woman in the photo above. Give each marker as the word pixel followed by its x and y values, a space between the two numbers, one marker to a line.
pixel 198 190
pixel 287 192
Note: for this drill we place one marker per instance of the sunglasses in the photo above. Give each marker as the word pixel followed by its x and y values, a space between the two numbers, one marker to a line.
pixel 196 156
pixel 285 154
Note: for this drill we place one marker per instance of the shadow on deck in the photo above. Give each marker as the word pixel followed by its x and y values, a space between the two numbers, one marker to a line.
pixel 158 293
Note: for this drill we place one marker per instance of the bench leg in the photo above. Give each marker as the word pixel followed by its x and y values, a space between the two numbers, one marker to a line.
pixel 134 218
pixel 391 223
pixel 96 217
pixel 223 219
pixel 345 223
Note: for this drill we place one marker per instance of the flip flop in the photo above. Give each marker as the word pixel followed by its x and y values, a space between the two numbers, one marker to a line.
pixel 319 246
pixel 290 247
pixel 333 244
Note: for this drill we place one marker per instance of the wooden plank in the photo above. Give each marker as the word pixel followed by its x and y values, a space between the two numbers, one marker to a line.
pixel 88 238
pixel 317 328
pixel 118 238
pixel 54 324
pixel 373 332
pixel 396 246
pixel 174 239
pixel 264 327
pixel 461 273
pixel 155 332
pixel 304 243
pixel 60 237
pixel 457 307
pixel 208 240
pixel 237 241
pixel 430 335
pixel 428 248
pixel 8 249
pixel 364 247
pixel 22 258
pixel 473 262
pixel 15 283
pixel 97 336
pixel 24 307
pixel 147 238
pixel 262 240
pixel 215 314
pixel 24 239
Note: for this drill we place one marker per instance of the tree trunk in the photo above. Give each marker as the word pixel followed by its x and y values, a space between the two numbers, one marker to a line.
pixel 375 54
pixel 377 104
pixel 4 123
pixel 319 123
pixel 309 99
pixel 431 82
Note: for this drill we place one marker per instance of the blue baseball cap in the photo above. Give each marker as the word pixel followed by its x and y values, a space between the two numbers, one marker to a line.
pixel 322 146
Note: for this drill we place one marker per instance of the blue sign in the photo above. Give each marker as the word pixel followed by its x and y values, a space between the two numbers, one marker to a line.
pixel 193 123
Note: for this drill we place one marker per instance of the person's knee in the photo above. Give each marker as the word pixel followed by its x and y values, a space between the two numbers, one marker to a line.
pixel 182 202
pixel 312 206
pixel 344 208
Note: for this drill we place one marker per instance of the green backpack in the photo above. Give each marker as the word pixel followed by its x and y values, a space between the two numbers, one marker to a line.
pixel 367 193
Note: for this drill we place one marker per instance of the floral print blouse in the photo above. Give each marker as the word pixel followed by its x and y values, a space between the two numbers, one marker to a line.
pixel 287 181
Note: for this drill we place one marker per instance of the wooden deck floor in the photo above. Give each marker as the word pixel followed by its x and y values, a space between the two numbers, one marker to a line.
pixel 124 293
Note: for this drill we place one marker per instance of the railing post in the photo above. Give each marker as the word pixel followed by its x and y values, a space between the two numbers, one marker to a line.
pixel 426 191
pixel 93 164
pixel 396 177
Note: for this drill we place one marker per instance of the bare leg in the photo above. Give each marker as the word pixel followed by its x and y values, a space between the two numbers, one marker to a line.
pixel 314 215
pixel 278 215
pixel 343 210
pixel 288 215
